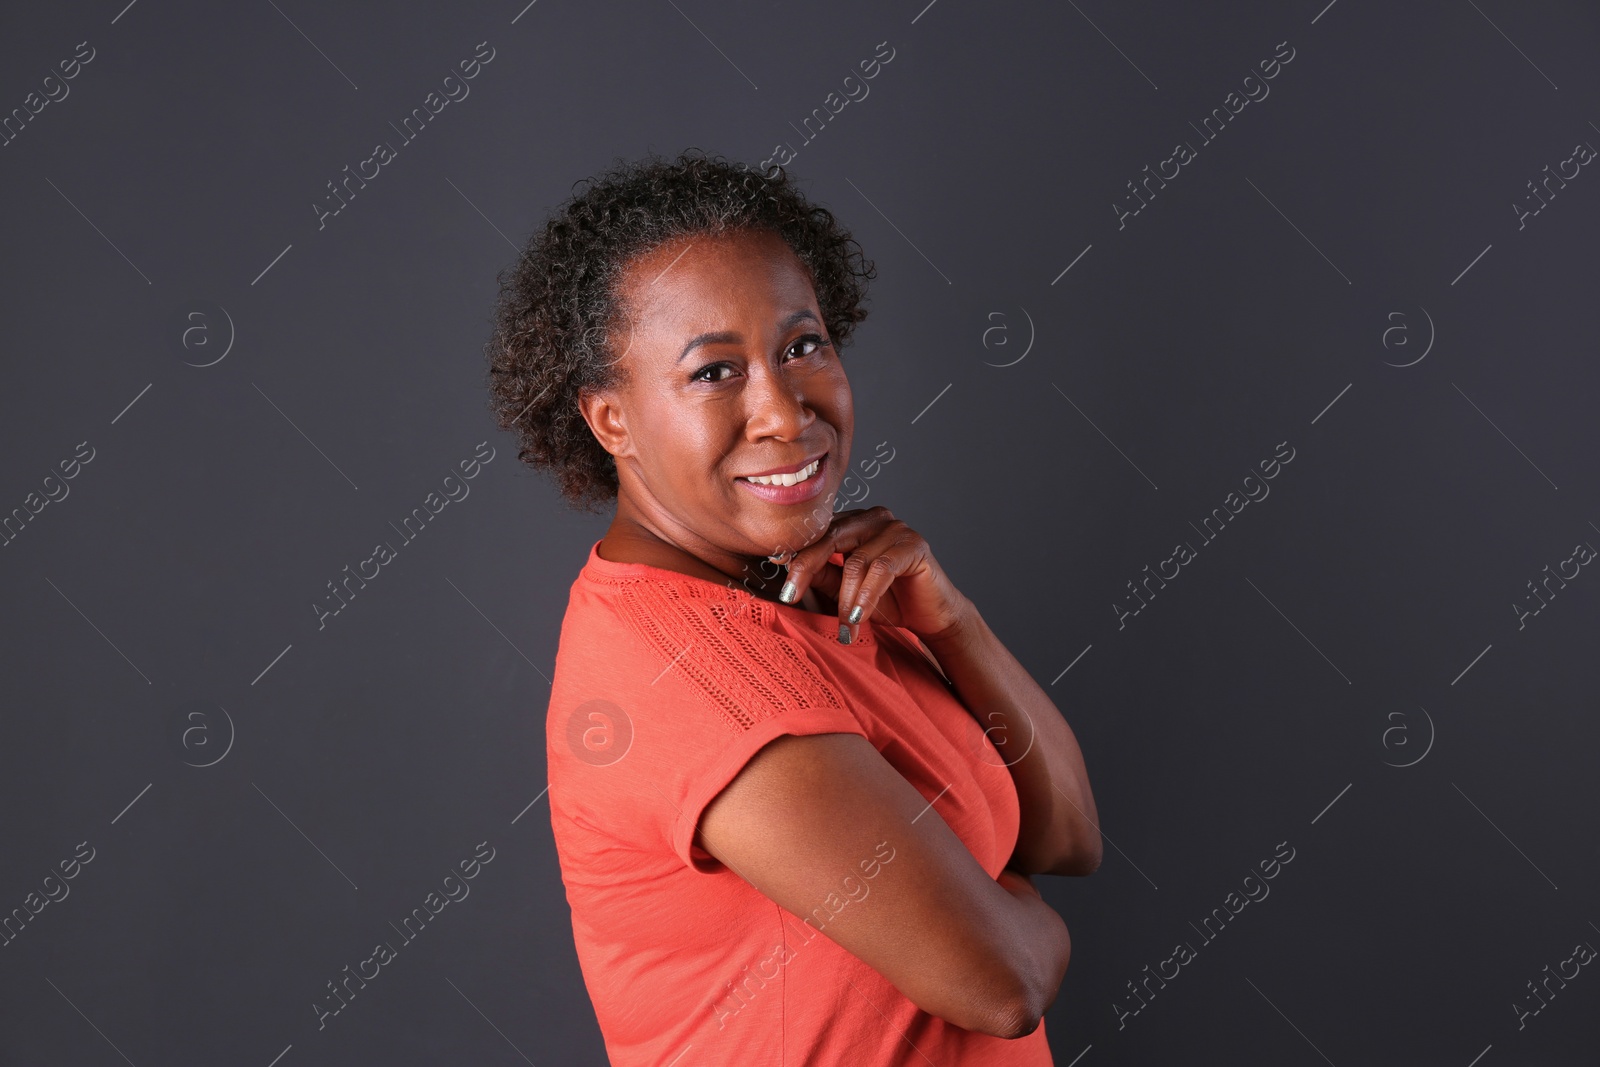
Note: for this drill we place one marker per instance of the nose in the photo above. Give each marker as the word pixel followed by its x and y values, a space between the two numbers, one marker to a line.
pixel 776 406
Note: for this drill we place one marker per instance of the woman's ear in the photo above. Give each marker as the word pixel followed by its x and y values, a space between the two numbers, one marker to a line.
pixel 604 415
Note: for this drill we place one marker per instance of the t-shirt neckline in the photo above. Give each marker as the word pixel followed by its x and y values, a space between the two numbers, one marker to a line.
pixel 598 565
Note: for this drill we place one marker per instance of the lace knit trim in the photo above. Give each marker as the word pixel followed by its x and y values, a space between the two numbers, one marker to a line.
pixel 747 671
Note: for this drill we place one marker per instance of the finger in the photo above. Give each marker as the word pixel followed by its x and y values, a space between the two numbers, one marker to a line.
pixel 871 569
pixel 849 530
pixel 826 579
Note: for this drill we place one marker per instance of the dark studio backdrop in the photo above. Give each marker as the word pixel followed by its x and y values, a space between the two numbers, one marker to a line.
pixel 1237 360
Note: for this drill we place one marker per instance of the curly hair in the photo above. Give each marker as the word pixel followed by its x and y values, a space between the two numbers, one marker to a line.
pixel 561 301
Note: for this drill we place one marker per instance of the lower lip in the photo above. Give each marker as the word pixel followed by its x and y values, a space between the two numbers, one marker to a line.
pixel 798 493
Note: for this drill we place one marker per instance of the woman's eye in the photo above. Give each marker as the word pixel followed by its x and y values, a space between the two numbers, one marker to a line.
pixel 802 347
pixel 813 340
pixel 700 375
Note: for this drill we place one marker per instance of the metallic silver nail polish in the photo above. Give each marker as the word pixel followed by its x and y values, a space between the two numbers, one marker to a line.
pixel 787 593
pixel 855 614
pixel 844 635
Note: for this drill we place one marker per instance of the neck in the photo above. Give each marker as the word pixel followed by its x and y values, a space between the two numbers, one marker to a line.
pixel 632 538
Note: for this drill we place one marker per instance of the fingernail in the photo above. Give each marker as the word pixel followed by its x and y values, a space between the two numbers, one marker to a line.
pixel 855 613
pixel 844 635
pixel 787 593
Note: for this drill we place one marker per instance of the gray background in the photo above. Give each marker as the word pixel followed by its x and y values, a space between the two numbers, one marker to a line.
pixel 1360 617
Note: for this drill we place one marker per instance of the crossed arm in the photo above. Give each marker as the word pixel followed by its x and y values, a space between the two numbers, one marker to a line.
pixel 987 954
pixel 1060 830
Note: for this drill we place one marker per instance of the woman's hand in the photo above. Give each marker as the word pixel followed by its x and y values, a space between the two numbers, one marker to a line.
pixel 889 574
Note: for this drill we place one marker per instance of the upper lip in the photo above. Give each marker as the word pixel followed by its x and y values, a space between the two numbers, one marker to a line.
pixel 790 469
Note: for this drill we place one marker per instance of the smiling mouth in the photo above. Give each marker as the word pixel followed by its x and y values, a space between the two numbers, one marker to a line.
pixel 792 487
pixel 804 474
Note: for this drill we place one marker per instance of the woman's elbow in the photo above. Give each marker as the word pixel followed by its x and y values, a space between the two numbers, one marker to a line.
pixel 1016 1022
pixel 1002 1006
pixel 1017 1015
pixel 1027 995
pixel 1010 1016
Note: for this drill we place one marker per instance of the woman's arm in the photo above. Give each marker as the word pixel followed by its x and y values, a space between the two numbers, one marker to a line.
pixel 889 572
pixel 804 821
pixel 1060 827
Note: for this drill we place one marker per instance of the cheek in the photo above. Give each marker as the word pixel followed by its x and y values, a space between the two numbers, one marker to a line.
pixel 696 444
pixel 845 415
pixel 832 394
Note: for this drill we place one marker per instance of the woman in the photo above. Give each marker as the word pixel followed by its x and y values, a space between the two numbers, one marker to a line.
pixel 796 818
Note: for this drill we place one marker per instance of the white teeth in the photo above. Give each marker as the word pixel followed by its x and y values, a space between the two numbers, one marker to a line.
pixel 789 479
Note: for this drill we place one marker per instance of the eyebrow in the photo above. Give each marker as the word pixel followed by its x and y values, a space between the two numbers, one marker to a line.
pixel 726 337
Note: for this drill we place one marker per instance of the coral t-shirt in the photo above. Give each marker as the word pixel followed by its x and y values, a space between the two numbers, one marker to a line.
pixel 665 686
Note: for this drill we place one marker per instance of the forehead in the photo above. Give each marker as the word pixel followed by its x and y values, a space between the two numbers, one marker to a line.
pixel 700 279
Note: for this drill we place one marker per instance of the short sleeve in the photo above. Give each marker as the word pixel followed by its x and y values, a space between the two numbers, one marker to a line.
pixel 748 684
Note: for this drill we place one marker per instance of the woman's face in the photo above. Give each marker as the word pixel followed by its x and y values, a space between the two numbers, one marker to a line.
pixel 729 373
